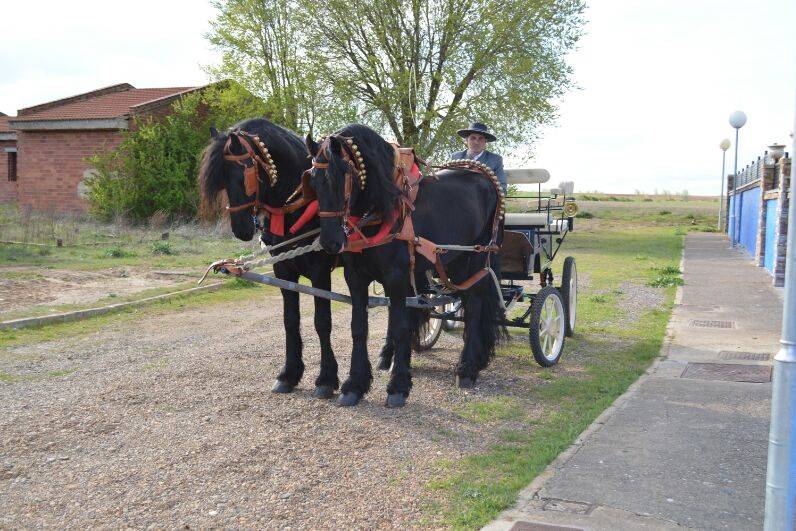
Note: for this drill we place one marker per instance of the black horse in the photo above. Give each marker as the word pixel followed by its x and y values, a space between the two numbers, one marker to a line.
pixel 290 160
pixel 457 208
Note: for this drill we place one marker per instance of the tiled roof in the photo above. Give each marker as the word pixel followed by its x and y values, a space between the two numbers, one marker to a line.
pixel 106 106
pixel 4 128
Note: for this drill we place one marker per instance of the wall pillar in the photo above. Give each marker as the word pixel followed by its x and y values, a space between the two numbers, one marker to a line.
pixel 781 231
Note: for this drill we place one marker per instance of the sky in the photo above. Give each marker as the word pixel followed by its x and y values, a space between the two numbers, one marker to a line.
pixel 656 79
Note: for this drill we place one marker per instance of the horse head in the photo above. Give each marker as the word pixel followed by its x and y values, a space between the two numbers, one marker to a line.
pixel 255 162
pixel 351 174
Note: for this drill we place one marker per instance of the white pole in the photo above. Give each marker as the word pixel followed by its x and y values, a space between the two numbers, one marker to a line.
pixel 780 511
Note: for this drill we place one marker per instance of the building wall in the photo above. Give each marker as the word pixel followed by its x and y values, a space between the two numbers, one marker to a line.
pixel 51 165
pixel 750 217
pixel 8 190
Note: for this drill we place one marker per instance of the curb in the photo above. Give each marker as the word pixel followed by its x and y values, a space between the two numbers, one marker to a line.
pixel 77 315
pixel 530 492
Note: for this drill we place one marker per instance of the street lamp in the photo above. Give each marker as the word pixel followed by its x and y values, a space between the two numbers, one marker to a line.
pixel 737 120
pixel 724 146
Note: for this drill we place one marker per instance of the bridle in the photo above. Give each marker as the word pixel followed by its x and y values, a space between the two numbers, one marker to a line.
pixel 256 156
pixel 356 168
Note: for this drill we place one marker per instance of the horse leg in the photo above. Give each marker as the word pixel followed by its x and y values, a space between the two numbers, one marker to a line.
pixel 387 351
pixel 360 375
pixel 293 370
pixel 327 380
pixel 398 327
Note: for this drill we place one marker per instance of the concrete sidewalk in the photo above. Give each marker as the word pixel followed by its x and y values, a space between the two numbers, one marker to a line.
pixel 686 445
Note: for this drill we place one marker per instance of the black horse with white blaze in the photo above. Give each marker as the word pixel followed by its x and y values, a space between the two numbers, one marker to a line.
pixel 225 162
pixel 458 207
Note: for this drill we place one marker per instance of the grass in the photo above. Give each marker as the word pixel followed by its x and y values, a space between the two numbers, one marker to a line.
pixel 610 351
pixel 89 245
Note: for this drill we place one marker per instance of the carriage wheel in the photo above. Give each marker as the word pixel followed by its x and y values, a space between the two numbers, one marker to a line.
pixel 546 333
pixel 569 292
pixel 429 334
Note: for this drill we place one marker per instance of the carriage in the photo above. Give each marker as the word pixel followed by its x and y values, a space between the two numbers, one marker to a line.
pixel 531 241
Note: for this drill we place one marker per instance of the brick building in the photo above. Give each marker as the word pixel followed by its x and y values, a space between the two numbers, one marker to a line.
pixel 8 161
pixel 54 139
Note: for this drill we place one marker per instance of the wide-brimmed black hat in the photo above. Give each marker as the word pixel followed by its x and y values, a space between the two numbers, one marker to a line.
pixel 477 127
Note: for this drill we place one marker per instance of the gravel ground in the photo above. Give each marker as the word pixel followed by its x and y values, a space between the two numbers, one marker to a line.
pixel 168 421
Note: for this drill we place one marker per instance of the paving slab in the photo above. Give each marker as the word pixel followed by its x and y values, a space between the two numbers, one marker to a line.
pixel 685 446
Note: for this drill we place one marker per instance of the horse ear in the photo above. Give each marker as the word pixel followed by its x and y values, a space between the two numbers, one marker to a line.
pixel 312 145
pixel 336 146
pixel 213 132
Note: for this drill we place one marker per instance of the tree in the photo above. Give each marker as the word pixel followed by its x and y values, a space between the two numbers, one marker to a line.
pixel 263 44
pixel 414 70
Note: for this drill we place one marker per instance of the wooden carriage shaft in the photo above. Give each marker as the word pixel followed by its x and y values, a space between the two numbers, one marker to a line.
pixel 411 302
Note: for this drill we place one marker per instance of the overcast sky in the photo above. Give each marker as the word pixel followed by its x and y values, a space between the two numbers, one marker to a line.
pixel 657 78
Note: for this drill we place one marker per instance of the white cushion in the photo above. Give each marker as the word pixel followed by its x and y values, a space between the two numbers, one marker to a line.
pixel 526 175
pixel 527 219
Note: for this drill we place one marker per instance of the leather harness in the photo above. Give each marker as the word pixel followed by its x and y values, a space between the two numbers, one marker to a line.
pixel 398 224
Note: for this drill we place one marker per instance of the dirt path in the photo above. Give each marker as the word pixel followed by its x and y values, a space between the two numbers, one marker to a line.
pixel 168 421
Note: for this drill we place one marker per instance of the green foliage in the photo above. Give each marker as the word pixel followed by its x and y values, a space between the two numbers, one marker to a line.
pixel 584 215
pixel 155 167
pixel 162 248
pixel 415 71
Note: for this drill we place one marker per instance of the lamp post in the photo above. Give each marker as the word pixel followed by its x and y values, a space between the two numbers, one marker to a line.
pixel 780 511
pixel 737 120
pixel 724 146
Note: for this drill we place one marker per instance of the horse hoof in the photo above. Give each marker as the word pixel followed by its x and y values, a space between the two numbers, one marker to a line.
pixel 465 382
pixel 323 392
pixel 348 399
pixel 396 400
pixel 281 387
pixel 384 364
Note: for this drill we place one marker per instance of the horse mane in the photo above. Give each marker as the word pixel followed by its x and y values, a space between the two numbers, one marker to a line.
pixel 379 157
pixel 288 150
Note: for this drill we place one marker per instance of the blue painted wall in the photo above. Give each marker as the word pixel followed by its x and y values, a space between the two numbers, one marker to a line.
pixel 731 219
pixel 771 224
pixel 750 214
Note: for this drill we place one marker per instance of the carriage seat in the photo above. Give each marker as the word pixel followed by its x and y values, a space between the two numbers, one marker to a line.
pixel 535 219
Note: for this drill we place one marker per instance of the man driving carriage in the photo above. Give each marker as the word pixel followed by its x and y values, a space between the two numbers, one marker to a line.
pixel 476 137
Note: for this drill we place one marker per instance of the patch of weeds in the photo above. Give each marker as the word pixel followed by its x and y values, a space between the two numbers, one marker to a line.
pixel 45 251
pixel 546 375
pixel 117 252
pixel 514 436
pixel 600 299
pixel 664 212
pixel 584 215
pixel 241 283
pixel 667 276
pixel 163 248
pixel 497 408
pixel 641 257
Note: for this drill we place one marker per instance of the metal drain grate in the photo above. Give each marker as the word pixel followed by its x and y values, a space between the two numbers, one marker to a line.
pixel 730 372
pixel 744 356
pixel 710 323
